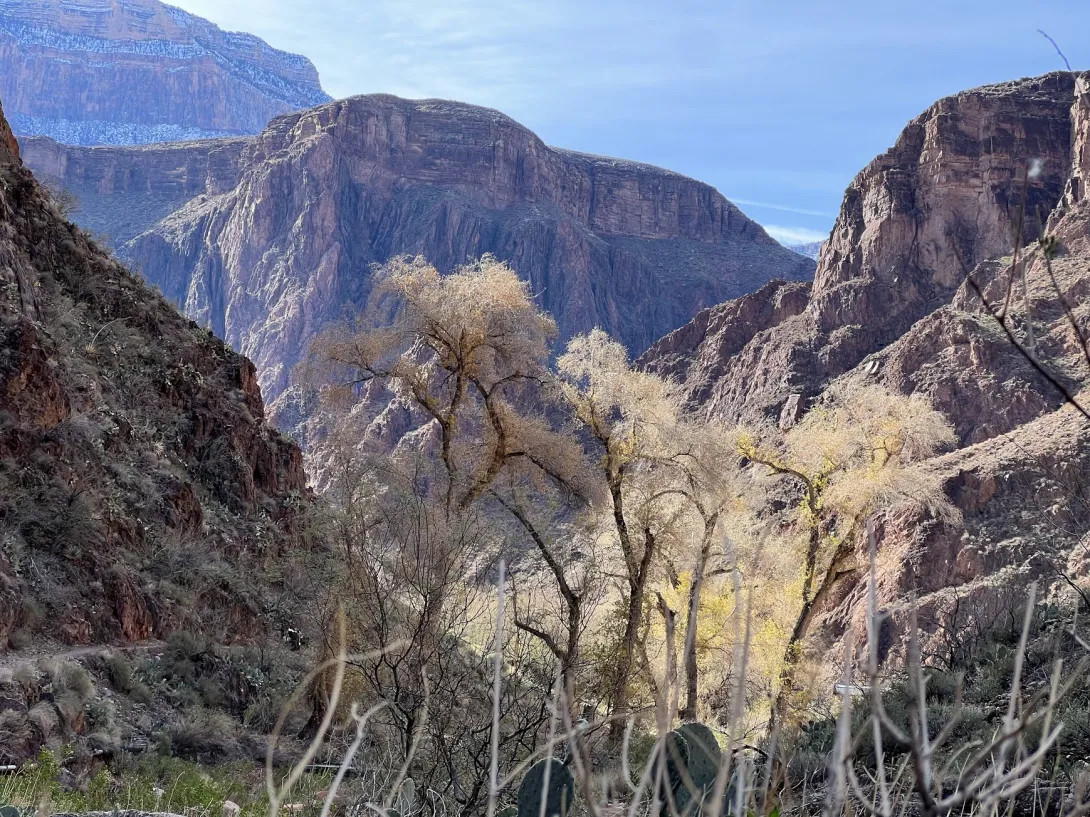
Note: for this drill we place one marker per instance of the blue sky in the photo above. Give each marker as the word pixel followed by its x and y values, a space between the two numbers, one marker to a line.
pixel 777 103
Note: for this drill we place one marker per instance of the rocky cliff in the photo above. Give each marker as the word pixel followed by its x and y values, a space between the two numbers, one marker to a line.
pixel 121 191
pixel 890 303
pixel 136 71
pixel 9 148
pixel 951 184
pixel 324 194
pixel 140 490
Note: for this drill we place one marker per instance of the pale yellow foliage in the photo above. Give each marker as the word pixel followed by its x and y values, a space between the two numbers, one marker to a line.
pixel 636 410
pixel 860 450
pixel 458 347
pixel 482 315
pixel 857 455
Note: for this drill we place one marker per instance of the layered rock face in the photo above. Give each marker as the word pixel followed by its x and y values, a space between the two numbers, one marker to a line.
pixel 137 71
pixel 136 472
pixel 890 303
pixel 950 186
pixel 120 192
pixel 324 194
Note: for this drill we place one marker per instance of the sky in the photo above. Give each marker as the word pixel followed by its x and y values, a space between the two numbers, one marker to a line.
pixel 778 103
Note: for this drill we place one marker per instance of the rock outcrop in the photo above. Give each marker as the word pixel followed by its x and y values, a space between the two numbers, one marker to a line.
pixel 136 71
pixel 890 303
pixel 140 490
pixel 9 148
pixel 324 194
pixel 950 186
pixel 121 191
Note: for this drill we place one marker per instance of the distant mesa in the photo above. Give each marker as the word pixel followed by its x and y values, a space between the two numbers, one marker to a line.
pixel 220 169
pixel 810 249
pixel 90 72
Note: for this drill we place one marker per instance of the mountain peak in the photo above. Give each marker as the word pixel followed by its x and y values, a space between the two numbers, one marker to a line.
pixel 137 71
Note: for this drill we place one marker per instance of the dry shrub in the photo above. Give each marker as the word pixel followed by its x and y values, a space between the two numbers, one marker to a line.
pixel 206 736
pixel 46 720
pixel 18 741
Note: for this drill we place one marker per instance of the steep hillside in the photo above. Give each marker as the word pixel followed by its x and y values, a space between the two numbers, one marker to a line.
pixel 324 194
pixel 135 71
pixel 141 492
pixel 890 303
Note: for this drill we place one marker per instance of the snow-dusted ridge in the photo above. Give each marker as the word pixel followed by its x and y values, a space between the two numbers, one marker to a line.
pixel 111 71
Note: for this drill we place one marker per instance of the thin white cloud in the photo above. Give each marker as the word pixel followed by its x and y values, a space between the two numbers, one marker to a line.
pixel 785 208
pixel 790 236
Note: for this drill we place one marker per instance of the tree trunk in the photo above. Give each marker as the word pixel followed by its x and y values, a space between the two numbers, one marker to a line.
pixel 633 616
pixel 779 724
pixel 692 667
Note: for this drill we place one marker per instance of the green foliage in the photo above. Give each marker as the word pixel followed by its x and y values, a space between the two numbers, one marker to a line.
pixel 677 754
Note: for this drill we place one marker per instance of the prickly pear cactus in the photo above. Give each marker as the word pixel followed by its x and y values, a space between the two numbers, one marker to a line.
pixel 405 803
pixel 508 811
pixel 676 753
pixel 558 792
pixel 702 767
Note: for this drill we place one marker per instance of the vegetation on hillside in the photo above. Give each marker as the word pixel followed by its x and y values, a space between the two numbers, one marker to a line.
pixel 552 558
pixel 541 577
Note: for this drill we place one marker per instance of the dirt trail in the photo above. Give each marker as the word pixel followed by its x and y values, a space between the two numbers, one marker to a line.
pixel 12 658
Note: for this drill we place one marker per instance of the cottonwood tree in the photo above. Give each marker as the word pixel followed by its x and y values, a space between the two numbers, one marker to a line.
pixel 459 349
pixel 469 352
pixel 704 476
pixel 553 600
pixel 658 475
pixel 853 456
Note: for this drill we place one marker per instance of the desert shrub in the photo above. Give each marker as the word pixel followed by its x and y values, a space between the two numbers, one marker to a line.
pixel 968 702
pixel 46 719
pixel 206 736
pixel 17 739
pixel 67 676
pixel 119 671
pixel 26 677
pixel 251 684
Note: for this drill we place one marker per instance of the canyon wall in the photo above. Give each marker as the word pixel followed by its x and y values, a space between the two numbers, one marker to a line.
pixel 136 71
pixel 891 303
pixel 141 491
pixel 284 228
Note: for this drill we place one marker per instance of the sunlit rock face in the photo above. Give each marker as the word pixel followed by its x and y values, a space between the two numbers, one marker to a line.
pixel 950 186
pixel 138 71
